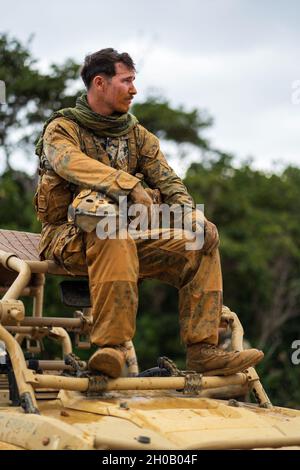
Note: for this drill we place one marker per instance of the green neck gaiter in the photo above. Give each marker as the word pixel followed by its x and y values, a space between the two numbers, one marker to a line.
pixel 103 126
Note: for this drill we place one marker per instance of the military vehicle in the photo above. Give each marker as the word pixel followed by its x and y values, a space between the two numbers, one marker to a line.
pixel 59 404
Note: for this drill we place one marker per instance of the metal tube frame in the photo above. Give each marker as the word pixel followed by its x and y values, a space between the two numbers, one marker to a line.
pixel 27 380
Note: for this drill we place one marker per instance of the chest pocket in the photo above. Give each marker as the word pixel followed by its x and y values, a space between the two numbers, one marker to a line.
pixel 92 146
pixel 119 153
pixel 52 198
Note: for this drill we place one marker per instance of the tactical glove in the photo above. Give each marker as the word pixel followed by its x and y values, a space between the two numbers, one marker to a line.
pixel 211 237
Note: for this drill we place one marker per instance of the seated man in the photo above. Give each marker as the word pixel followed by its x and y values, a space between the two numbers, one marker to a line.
pixel 99 146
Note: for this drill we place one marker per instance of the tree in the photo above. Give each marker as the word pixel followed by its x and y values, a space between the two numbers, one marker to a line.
pixel 260 247
pixel 31 95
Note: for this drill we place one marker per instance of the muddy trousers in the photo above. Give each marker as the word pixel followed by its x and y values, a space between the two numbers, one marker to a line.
pixel 114 268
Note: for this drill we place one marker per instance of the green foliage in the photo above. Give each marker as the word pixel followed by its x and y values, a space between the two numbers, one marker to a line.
pixel 16 196
pixel 257 216
pixel 31 94
pixel 157 324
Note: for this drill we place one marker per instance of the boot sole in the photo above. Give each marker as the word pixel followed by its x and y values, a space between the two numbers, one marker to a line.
pixel 108 363
pixel 251 362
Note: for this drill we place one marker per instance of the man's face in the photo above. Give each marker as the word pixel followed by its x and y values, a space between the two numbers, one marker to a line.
pixel 119 90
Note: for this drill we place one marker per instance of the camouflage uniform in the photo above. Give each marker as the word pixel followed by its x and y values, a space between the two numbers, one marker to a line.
pixel 81 160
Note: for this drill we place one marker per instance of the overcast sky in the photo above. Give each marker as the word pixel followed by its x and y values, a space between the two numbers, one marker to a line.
pixel 238 59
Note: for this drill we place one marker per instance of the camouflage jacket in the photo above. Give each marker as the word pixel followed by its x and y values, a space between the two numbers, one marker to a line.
pixel 74 159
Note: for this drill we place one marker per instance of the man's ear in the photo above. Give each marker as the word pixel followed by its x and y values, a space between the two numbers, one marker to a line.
pixel 99 82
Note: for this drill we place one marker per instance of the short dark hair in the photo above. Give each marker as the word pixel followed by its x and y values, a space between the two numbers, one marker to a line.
pixel 103 62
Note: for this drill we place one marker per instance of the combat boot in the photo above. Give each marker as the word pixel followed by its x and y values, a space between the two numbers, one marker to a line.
pixel 211 360
pixel 109 360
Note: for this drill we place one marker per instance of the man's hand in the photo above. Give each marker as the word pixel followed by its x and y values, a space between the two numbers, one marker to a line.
pixel 211 237
pixel 155 195
pixel 139 195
